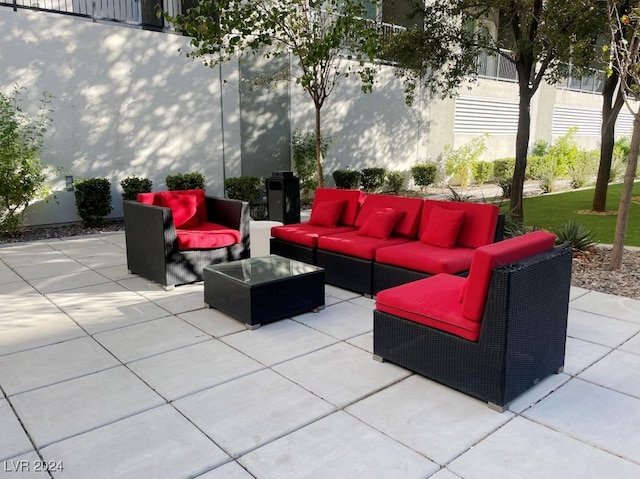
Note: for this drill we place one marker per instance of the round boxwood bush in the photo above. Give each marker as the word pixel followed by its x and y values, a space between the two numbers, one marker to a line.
pixel 93 199
pixel 185 181
pixel 372 179
pixel 424 174
pixel 346 179
pixel 132 185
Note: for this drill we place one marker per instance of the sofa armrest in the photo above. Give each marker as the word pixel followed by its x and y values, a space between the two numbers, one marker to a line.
pixel 234 214
pixel 150 239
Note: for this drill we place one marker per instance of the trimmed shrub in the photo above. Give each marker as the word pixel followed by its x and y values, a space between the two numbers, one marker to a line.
pixel 372 179
pixel 458 162
pixel 424 174
pixel 244 188
pixel 185 181
pixel 481 171
pixel 132 185
pixel 93 199
pixel 543 169
pixel 346 179
pixel 585 167
pixel 503 173
pixel 395 181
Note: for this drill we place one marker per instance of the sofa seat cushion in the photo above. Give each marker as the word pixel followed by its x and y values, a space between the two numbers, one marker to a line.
pixel 305 234
pixel 412 208
pixel 426 258
pixel 352 244
pixel 431 301
pixel 352 198
pixel 487 258
pixel 207 236
pixel 478 227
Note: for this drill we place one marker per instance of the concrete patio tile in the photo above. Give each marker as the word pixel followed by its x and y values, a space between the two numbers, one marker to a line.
pixel 115 273
pixel 27 331
pixel 13 440
pixel 19 288
pixel 25 466
pixel 339 293
pixel 230 470
pixel 106 306
pixel 104 259
pixel 338 446
pixel 365 302
pixel 575 292
pixel 183 298
pixel 24 249
pixel 29 305
pixel 277 342
pixel 434 420
pixel 619 371
pixel 341 374
pixel 40 255
pixel 609 305
pixel 48 365
pixel 523 449
pixel 251 411
pixel 599 329
pixel 343 321
pixel 633 345
pixel 194 368
pixel 8 276
pixel 582 354
pixel 49 269
pixel 158 443
pixel 150 338
pixel 364 341
pixel 593 414
pixel 213 322
pixel 56 412
pixel 544 387
pixel 66 282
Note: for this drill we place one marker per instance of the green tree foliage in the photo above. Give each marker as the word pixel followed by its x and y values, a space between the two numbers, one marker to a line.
pixel 539 37
pixel 459 161
pixel 22 174
pixel 304 159
pixel 330 40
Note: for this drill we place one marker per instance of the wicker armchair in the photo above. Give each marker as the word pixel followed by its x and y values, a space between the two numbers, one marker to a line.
pixel 521 340
pixel 152 241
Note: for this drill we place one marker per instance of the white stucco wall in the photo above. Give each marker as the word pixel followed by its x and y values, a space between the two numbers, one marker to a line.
pixel 125 103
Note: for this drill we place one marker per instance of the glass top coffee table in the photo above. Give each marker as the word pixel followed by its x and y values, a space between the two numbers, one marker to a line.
pixel 265 289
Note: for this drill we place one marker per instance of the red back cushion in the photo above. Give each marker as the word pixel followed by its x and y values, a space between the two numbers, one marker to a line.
pixel 327 213
pixel 188 207
pixel 412 207
pixel 147 199
pixel 480 221
pixel 443 227
pixel 381 224
pixel 487 258
pixel 353 200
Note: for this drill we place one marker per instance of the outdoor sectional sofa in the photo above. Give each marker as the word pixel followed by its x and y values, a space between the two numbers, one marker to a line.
pixel 172 235
pixel 492 335
pixel 379 241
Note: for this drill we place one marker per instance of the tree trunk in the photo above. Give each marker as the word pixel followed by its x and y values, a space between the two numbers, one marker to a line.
pixel 522 145
pixel 625 197
pixel 319 170
pixel 610 109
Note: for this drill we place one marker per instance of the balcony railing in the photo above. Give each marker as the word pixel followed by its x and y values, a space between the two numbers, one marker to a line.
pixel 497 66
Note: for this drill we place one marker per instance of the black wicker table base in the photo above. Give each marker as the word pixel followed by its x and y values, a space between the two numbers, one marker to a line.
pixel 262 290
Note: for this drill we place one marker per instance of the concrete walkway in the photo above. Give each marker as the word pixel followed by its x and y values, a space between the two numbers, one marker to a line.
pixel 106 375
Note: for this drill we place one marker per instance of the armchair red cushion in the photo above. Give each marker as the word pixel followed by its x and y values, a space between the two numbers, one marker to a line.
pixel 207 236
pixel 381 224
pixel 188 207
pixel 327 213
pixel 443 227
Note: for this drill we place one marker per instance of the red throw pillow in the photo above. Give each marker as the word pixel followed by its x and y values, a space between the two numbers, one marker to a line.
pixel 443 227
pixel 183 207
pixel 327 213
pixel 381 224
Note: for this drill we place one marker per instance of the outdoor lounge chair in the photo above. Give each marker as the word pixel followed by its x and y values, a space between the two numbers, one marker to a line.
pixel 216 231
pixel 516 338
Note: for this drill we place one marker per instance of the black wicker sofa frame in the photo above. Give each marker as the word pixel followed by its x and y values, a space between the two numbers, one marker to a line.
pixel 522 334
pixel 152 243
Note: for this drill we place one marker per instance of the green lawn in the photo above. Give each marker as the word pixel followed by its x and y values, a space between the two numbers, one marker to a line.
pixel 548 211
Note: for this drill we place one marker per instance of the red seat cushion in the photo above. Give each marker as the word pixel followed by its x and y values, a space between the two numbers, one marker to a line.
pixel 443 227
pixel 433 302
pixel 487 258
pixel 207 236
pixel 426 258
pixel 412 207
pixel 327 213
pixel 305 234
pixel 353 198
pixel 351 244
pixel 381 223
pixel 480 221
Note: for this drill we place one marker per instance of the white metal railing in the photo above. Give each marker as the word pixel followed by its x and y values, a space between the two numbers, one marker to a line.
pixel 497 66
